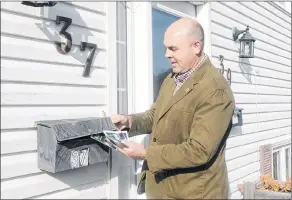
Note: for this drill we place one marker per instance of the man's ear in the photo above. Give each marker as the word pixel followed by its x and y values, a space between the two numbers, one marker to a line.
pixel 197 47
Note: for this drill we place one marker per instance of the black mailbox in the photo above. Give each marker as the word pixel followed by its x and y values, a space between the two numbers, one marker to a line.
pixel 66 144
pixel 237 117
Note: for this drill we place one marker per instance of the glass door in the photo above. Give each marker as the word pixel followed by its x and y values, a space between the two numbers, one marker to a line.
pixel 146 63
pixel 161 66
pixel 164 14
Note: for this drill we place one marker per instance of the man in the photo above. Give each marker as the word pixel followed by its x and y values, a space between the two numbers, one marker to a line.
pixel 190 122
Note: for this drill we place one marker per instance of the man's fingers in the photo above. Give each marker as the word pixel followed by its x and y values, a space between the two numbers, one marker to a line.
pixel 122 151
pixel 129 143
pixel 122 146
pixel 120 127
pixel 116 119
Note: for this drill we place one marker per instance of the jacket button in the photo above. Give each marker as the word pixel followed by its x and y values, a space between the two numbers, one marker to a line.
pixel 154 140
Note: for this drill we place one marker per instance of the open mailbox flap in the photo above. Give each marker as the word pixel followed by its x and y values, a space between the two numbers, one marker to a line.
pixel 68 129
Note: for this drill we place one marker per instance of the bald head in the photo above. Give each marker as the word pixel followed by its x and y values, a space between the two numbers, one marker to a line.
pixel 184 43
pixel 187 27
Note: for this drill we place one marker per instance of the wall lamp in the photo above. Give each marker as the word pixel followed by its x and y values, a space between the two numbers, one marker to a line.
pixel 246 49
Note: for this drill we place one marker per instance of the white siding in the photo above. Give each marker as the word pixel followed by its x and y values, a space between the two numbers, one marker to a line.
pixel 38 83
pixel 266 99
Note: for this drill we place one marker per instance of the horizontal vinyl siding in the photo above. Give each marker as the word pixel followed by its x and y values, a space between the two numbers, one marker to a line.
pixel 266 96
pixel 38 83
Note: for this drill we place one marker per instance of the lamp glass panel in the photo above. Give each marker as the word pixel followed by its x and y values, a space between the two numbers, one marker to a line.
pixel 252 49
pixel 241 49
pixel 247 48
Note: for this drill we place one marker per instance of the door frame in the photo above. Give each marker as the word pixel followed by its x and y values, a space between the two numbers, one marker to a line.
pixel 139 54
pixel 139 42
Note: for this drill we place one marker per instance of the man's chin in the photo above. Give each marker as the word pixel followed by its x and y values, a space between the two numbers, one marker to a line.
pixel 174 70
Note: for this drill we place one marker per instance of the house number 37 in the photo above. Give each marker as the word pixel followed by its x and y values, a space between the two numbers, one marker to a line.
pixel 65 47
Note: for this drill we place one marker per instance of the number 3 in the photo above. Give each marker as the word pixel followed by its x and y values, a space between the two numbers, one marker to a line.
pixel 64 47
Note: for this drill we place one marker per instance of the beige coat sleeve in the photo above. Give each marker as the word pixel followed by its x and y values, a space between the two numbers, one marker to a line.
pixel 142 122
pixel 208 128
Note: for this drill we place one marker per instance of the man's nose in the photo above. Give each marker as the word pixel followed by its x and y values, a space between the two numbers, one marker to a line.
pixel 167 53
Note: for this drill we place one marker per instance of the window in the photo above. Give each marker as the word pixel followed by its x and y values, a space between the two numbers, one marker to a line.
pixel 275 159
pixel 281 162
pixel 163 14
pixel 276 165
pixel 161 66
pixel 146 21
pixel 288 162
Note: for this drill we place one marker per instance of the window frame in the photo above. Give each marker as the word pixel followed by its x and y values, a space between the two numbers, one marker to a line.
pixel 139 34
pixel 169 8
pixel 289 162
pixel 281 148
pixel 278 164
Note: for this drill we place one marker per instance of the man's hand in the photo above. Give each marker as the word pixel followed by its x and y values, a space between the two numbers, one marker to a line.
pixel 133 150
pixel 122 121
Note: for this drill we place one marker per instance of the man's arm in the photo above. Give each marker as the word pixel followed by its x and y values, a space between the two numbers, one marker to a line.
pixel 208 129
pixel 141 123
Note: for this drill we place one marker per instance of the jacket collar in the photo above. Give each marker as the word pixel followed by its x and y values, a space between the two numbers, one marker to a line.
pixel 185 88
pixel 200 72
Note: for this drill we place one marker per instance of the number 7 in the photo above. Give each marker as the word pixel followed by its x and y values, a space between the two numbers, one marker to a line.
pixel 88 62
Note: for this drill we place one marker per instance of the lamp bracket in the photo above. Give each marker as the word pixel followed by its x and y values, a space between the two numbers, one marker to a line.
pixel 236 32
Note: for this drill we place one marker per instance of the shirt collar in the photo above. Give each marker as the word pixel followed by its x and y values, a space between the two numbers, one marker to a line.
pixel 181 77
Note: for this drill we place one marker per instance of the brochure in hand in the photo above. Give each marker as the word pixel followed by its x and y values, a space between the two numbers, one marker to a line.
pixel 112 139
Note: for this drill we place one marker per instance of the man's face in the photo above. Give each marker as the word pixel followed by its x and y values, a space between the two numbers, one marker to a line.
pixel 181 50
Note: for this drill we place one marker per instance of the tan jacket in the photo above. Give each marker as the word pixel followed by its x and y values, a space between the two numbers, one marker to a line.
pixel 189 131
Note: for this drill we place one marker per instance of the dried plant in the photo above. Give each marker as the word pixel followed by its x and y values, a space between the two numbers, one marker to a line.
pixel 269 183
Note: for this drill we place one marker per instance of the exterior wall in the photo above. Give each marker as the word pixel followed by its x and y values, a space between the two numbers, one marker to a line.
pixel 261 85
pixel 38 83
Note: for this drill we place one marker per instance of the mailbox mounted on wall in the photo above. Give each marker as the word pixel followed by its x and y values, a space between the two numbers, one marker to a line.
pixel 237 117
pixel 67 144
